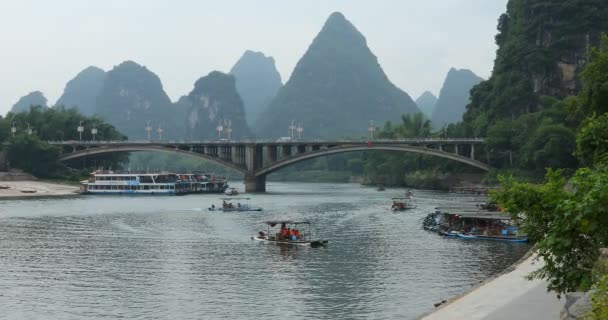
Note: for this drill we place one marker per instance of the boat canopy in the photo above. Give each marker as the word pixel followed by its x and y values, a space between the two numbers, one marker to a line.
pixel 233 198
pixel 401 198
pixel 275 222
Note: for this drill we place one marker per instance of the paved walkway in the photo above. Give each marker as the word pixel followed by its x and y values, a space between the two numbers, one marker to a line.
pixel 510 296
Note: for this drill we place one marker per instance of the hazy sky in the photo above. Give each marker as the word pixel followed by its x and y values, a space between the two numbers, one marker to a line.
pixel 44 44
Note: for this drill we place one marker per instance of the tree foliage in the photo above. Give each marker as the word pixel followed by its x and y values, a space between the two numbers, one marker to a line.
pixel 566 219
pixel 32 152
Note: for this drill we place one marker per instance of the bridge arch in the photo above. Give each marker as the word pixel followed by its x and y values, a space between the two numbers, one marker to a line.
pixel 344 149
pixel 151 148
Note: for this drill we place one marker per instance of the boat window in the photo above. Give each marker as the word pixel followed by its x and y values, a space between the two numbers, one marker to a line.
pixel 145 179
pixel 146 187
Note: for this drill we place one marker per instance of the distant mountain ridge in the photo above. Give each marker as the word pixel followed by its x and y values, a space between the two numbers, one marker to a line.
pixel 454 97
pixel 257 82
pixel 214 101
pixel 336 88
pixel 81 92
pixel 35 98
pixel 426 103
pixel 131 96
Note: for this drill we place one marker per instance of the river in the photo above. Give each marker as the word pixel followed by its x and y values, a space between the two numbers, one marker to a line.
pixel 112 257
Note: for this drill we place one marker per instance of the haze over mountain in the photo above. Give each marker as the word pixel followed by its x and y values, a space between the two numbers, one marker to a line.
pixel 426 103
pixel 214 100
pixel 35 98
pixel 257 82
pixel 454 97
pixel 131 96
pixel 82 91
pixel 336 88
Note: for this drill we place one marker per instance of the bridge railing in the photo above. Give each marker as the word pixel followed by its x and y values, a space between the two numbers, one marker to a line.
pixel 269 141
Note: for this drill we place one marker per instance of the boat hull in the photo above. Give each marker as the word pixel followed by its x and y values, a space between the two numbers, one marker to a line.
pixel 235 209
pixel 478 237
pixel 314 243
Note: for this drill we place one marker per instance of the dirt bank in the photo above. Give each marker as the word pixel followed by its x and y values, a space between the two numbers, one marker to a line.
pixel 34 189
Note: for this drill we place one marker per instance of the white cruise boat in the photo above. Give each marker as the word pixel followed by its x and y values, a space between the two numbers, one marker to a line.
pixel 109 182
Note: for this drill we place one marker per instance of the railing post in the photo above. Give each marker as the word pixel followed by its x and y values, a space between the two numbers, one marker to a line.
pixel 440 147
pixel 456 149
pixel 472 151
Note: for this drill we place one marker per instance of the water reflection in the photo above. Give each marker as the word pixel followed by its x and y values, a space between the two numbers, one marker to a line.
pixel 153 258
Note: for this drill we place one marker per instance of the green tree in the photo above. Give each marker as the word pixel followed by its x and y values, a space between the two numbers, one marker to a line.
pixel 566 219
pixel 592 140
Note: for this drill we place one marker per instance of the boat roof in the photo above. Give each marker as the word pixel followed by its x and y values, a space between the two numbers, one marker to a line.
pixel 286 222
pixel 401 198
pixel 485 216
pixel 233 198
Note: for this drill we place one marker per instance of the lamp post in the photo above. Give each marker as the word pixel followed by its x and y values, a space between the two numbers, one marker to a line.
pixel 219 129
pixel 94 132
pixel 29 129
pixel 371 129
pixel 228 128
pixel 13 129
pixel 148 129
pixel 80 129
pixel 160 132
pixel 300 130
pixel 292 128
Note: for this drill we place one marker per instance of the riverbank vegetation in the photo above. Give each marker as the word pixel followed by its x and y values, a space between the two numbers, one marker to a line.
pixel 567 215
pixel 30 151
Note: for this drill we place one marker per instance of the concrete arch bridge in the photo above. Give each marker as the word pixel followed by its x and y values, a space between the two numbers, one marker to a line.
pixel 257 159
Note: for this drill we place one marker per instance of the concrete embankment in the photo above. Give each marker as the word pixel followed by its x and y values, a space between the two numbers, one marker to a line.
pixel 508 296
pixel 34 189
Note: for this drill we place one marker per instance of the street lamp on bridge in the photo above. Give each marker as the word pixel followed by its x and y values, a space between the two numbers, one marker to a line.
pixel 160 132
pixel 219 129
pixel 300 129
pixel 292 128
pixel 13 129
pixel 94 132
pixel 148 129
pixel 80 130
pixel 29 129
pixel 371 129
pixel 228 128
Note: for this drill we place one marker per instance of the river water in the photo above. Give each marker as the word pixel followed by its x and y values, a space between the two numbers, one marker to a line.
pixel 169 258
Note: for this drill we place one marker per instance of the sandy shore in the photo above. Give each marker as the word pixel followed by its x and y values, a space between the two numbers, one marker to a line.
pixel 34 189
pixel 509 296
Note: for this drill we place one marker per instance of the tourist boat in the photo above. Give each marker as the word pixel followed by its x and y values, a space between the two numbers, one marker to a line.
pixel 287 232
pixel 242 205
pixel 211 183
pixel 231 192
pixel 496 238
pixel 402 204
pixel 126 183
pixel 479 224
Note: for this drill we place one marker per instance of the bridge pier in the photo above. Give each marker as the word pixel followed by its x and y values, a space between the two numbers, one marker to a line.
pixel 255 184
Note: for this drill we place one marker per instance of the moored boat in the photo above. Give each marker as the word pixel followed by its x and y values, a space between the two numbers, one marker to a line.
pixel 496 238
pixel 127 183
pixel 242 205
pixel 231 192
pixel 289 234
